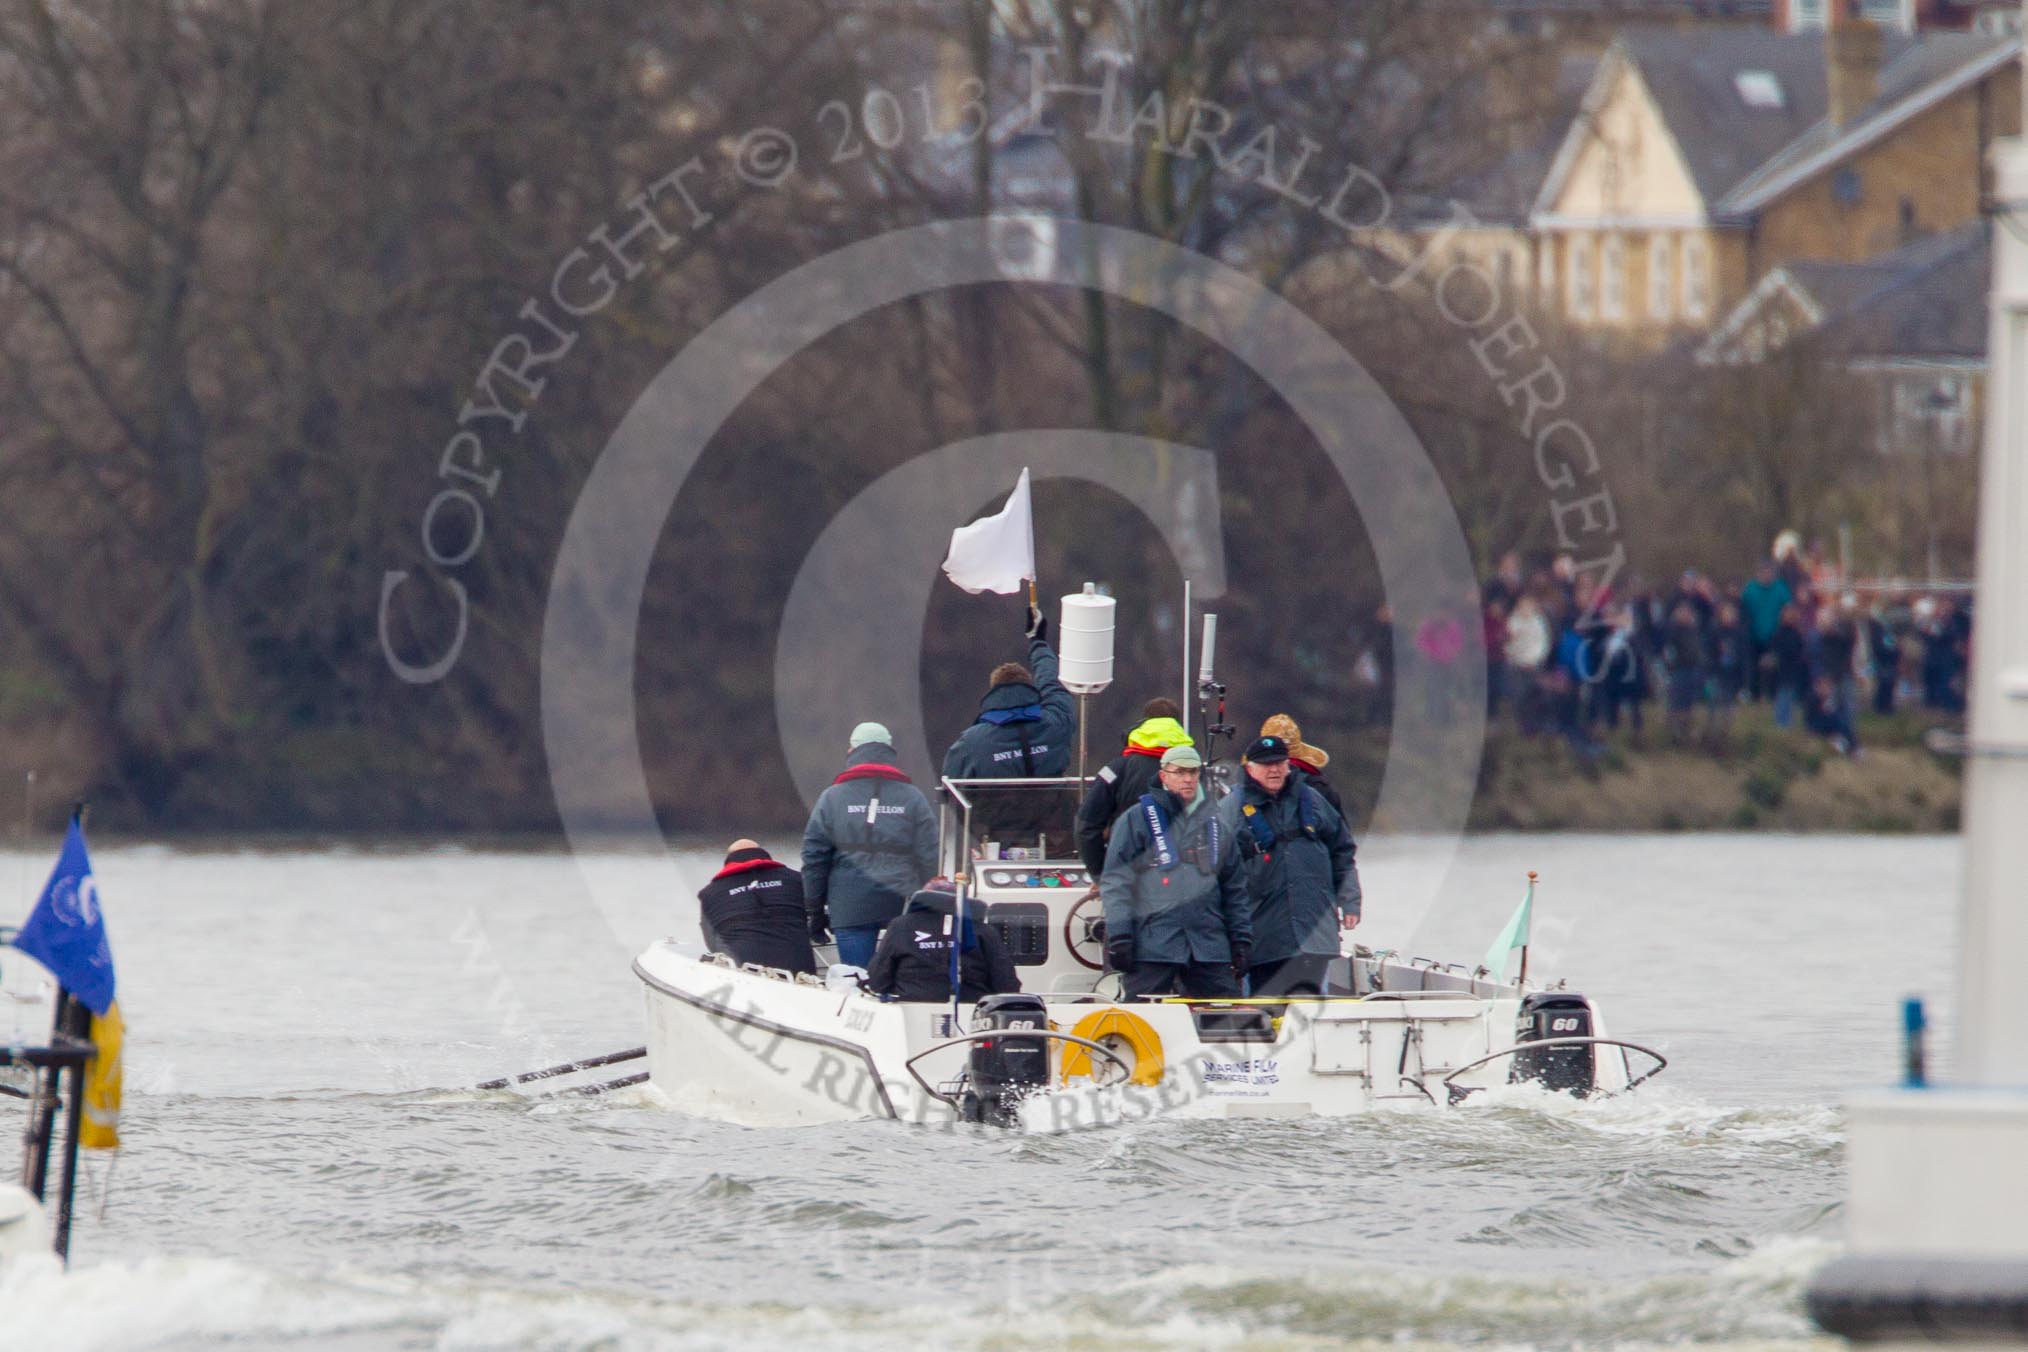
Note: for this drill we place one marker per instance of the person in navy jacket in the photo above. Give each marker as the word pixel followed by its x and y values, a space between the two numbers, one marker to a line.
pixel 752 911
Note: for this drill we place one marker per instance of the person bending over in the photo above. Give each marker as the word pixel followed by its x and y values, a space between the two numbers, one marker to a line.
pixel 752 911
pixel 913 961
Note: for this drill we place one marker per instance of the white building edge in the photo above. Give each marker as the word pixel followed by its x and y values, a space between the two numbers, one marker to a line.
pixel 1937 1210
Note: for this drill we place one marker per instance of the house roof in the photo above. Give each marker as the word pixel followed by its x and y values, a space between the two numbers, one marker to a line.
pixel 1926 301
pixel 1692 75
pixel 1924 71
pixel 1741 154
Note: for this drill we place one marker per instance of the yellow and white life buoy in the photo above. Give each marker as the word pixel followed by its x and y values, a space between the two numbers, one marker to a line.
pixel 1129 1036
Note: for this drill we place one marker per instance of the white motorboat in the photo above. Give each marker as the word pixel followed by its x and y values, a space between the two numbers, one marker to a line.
pixel 767 1047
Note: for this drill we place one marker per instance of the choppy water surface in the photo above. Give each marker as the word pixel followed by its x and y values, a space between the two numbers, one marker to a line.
pixel 304 1168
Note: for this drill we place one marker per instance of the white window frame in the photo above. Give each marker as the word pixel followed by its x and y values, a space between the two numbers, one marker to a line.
pixel 1583 280
pixel 1612 283
pixel 1661 277
pixel 1946 422
pixel 1696 277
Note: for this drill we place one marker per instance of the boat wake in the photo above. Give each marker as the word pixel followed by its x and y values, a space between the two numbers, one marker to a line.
pixel 179 1303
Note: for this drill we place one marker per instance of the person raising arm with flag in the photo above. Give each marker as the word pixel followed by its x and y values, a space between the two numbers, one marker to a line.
pixel 1027 721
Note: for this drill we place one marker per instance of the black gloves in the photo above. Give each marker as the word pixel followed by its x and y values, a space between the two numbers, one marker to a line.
pixel 1038 624
pixel 1120 955
pixel 820 926
pixel 1242 958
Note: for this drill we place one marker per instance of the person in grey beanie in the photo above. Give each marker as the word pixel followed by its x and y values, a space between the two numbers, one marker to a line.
pixel 870 845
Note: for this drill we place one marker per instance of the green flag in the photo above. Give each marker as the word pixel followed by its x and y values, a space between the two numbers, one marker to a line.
pixel 1514 938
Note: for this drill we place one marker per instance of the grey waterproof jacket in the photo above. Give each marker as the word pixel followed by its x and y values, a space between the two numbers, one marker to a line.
pixel 1299 881
pixel 1023 731
pixel 1195 910
pixel 856 874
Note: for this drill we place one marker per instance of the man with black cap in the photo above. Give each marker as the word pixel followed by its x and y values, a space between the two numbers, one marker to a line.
pixel 1301 871
pixel 913 961
pixel 752 911
pixel 870 843
pixel 1027 721
pixel 1174 891
pixel 1306 762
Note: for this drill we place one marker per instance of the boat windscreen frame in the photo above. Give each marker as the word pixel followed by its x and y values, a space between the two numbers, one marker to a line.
pixel 954 861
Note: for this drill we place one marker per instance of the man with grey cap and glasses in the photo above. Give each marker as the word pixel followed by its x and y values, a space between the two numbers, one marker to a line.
pixel 1174 891
pixel 871 843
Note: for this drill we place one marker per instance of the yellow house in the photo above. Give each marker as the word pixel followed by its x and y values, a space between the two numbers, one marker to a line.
pixel 1700 159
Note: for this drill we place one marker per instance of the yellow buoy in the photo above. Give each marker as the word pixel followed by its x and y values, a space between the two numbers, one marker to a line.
pixel 1115 1028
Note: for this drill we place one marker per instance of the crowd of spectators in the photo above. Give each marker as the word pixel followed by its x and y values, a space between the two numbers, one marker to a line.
pixel 1568 657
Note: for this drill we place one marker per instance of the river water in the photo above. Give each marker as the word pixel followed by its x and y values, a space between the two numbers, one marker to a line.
pixel 304 1169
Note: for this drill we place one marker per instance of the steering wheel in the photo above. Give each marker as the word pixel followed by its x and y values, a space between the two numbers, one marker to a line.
pixel 1078 931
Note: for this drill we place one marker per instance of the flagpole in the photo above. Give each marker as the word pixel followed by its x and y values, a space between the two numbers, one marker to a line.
pixel 957 963
pixel 1522 980
pixel 27 827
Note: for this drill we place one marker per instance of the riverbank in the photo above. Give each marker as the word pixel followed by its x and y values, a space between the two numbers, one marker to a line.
pixel 322 788
pixel 1758 777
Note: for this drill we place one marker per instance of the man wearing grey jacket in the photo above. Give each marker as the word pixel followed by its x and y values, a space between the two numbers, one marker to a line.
pixel 1174 891
pixel 871 843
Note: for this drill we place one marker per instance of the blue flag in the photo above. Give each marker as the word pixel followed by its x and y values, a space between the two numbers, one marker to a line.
pixel 65 931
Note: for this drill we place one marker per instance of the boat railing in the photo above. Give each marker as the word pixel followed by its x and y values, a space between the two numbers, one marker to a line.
pixel 58 1088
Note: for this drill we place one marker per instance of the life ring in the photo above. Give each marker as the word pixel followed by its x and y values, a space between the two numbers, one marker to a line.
pixel 1115 1027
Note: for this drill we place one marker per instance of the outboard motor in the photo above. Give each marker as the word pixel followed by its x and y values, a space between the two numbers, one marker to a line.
pixel 1552 1014
pixel 1002 1070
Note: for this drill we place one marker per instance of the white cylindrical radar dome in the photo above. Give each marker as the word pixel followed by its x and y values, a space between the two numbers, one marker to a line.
pixel 1084 655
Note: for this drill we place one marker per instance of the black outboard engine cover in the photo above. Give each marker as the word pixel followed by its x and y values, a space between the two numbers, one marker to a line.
pixel 1551 1014
pixel 1004 1069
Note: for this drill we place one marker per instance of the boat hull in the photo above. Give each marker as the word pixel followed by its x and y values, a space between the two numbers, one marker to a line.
pixel 766 1049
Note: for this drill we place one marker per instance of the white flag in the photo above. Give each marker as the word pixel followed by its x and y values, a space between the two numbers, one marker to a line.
pixel 996 553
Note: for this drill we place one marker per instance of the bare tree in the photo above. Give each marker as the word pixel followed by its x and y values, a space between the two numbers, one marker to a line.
pixel 133 122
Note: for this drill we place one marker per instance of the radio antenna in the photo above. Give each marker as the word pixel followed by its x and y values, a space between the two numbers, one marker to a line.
pixel 1210 693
